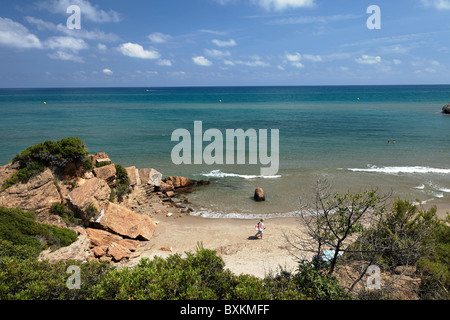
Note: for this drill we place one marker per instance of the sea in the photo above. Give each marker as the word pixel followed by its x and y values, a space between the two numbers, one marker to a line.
pixel 341 134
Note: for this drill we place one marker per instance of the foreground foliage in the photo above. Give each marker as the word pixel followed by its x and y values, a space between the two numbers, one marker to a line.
pixel 197 276
pixel 22 236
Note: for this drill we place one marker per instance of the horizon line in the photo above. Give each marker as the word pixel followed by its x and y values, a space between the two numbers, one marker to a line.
pixel 228 86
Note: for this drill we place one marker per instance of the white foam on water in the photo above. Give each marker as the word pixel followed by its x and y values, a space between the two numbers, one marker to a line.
pixel 406 169
pixel 220 174
pixel 207 213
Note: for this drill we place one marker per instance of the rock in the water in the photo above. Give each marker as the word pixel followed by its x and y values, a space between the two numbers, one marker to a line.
pixel 179 182
pixel 446 109
pixel 259 194
pixel 37 194
pixel 94 193
pixel 127 223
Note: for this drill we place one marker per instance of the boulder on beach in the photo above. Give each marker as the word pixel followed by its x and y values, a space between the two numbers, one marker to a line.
pixel 446 109
pixel 259 194
pixel 126 223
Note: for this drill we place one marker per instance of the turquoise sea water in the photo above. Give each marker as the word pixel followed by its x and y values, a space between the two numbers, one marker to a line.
pixel 339 133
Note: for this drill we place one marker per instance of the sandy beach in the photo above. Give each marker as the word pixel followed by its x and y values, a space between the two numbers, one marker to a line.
pixel 234 241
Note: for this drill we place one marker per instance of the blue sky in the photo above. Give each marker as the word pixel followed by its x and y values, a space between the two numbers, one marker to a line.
pixel 223 43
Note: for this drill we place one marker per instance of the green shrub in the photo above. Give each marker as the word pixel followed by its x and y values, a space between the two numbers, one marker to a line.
pixel 122 181
pixel 18 251
pixel 41 280
pixel 198 276
pixel 34 159
pixel 318 285
pixel 91 211
pixel 19 228
pixel 56 154
pixel 67 215
pixel 435 267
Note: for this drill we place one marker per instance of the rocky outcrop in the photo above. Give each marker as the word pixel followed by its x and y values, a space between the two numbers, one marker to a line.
pixel 259 194
pixel 37 194
pixel 179 182
pixel 446 109
pixel 99 158
pixel 90 199
pixel 101 238
pixel 118 252
pixel 107 173
pixel 113 231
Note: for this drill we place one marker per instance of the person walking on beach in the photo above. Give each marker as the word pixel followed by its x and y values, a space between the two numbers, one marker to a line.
pixel 260 227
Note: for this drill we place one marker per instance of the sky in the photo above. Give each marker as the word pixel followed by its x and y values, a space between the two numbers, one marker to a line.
pixel 165 43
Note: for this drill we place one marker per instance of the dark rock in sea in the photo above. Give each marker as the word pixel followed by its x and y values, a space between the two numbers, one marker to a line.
pixel 446 109
pixel 259 194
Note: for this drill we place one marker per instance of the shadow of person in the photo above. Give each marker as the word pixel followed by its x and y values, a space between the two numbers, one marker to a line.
pixel 253 238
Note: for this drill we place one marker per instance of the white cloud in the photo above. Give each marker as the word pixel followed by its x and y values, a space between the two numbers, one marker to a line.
pixel 202 61
pixel 313 58
pixel 66 43
pixel 280 5
pixel 102 47
pixel 256 62
pixel 314 19
pixel 14 34
pixel 221 43
pixel 65 56
pixel 164 63
pixel 219 33
pixel 365 59
pixel 298 64
pixel 437 4
pixel 217 53
pixel 88 11
pixel 135 50
pixel 229 63
pixel 42 25
pixel 293 57
pixel 107 71
pixel 397 62
pixel 158 37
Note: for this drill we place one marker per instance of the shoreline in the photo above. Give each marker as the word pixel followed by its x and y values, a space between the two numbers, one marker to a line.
pixel 233 240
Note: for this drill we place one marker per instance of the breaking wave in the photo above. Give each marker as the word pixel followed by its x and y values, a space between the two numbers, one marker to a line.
pixel 395 170
pixel 220 174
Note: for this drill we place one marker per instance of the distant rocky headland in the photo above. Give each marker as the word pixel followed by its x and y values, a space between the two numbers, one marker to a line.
pixel 111 208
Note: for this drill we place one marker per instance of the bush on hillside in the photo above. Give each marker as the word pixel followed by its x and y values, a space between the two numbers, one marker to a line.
pixel 33 160
pixel 18 228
